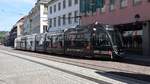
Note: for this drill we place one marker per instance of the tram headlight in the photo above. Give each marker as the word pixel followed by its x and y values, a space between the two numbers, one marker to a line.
pixel 94 29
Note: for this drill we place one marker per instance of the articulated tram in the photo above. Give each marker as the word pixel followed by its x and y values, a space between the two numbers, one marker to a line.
pixel 95 40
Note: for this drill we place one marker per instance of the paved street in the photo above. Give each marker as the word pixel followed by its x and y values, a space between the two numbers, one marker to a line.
pixel 75 42
pixel 14 70
pixel 18 67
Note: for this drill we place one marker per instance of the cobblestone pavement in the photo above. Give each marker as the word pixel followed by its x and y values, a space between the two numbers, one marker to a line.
pixel 18 71
pixel 117 68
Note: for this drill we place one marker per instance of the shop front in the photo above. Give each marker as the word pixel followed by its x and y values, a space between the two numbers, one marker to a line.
pixel 136 37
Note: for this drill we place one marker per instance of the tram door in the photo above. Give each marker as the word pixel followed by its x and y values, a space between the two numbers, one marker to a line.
pixel 101 43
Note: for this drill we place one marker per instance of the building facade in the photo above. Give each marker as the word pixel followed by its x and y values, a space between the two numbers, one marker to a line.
pixel 16 31
pixel 63 14
pixel 20 26
pixel 131 17
pixel 27 27
pixel 38 17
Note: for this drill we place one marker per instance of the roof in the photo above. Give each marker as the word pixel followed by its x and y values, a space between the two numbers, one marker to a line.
pixel 43 1
pixel 51 1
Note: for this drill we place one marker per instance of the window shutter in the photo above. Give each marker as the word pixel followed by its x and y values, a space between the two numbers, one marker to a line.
pixel 100 3
pixel 82 6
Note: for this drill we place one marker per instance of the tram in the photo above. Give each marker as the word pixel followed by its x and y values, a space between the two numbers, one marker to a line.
pixel 95 40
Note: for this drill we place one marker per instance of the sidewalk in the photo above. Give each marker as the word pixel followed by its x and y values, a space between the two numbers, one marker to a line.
pixel 137 59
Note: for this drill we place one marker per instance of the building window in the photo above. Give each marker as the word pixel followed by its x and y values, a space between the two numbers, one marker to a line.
pixel 45 9
pixel 112 5
pixel 76 2
pixel 64 19
pixel 50 23
pixel 44 28
pixel 102 9
pixel 69 3
pixel 83 6
pixel 69 18
pixel 54 8
pixel 54 22
pixel 59 21
pixel 59 6
pixel 76 16
pixel 64 4
pixel 123 3
pixel 136 2
pixel 92 5
pixel 51 11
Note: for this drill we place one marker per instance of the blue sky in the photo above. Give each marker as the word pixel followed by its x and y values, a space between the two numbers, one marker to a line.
pixel 12 10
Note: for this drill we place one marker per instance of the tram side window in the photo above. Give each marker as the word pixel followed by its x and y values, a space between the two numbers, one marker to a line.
pixel 60 41
pixel 37 43
pixel 31 43
pixel 70 42
pixel 80 41
pixel 54 41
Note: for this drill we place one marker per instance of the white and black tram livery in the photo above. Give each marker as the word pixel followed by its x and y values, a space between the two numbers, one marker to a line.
pixel 30 42
pixel 23 43
pixel 17 43
pixel 55 42
pixel 40 42
pixel 95 40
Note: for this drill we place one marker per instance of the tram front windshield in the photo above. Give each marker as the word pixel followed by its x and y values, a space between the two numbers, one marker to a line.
pixel 102 38
pixel 116 38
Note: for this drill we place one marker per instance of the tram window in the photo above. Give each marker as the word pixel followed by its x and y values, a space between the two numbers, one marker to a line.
pixel 101 39
pixel 60 39
pixel 82 40
pixel 37 42
pixel 31 43
pixel 53 41
pixel 71 40
pixel 116 38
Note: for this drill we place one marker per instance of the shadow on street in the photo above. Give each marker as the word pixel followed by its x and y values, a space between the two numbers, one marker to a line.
pixel 137 76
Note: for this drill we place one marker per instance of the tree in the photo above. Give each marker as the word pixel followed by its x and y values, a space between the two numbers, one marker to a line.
pixel 2 35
